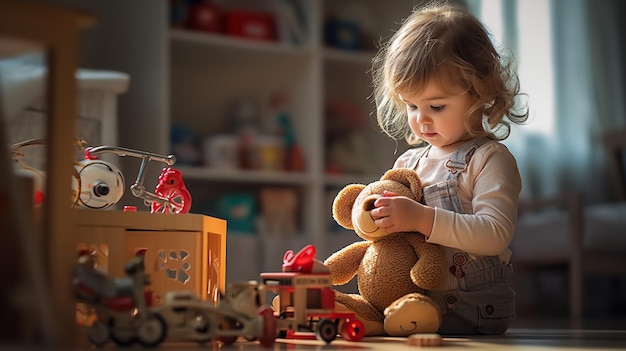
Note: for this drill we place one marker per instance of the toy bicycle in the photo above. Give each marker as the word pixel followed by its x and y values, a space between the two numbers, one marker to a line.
pixel 98 184
pixel 102 184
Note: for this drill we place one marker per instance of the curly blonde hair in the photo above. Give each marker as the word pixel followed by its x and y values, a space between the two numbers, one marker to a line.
pixel 443 40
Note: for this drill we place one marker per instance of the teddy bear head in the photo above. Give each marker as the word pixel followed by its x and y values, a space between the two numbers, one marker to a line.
pixel 352 204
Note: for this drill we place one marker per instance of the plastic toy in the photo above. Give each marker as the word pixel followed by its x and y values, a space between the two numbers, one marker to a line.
pixel 31 167
pixel 98 184
pixel 125 313
pixel 238 314
pixel 171 195
pixel 306 300
pixel 102 184
pixel 121 304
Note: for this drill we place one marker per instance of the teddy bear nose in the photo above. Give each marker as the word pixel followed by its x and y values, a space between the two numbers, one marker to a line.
pixel 364 220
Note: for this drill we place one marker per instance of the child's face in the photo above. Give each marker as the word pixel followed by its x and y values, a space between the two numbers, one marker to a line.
pixel 437 115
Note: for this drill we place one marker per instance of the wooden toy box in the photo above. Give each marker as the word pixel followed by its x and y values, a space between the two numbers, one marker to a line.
pixel 184 252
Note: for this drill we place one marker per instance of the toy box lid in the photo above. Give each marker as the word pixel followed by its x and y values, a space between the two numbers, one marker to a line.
pixel 150 221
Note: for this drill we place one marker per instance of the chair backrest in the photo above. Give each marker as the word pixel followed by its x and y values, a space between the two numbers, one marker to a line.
pixel 615 143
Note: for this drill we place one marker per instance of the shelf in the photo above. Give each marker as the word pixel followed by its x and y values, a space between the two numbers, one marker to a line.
pixel 342 180
pixel 211 72
pixel 249 176
pixel 345 56
pixel 206 39
pixel 271 177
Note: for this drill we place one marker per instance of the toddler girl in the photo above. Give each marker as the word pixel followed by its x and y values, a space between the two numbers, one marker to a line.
pixel 440 84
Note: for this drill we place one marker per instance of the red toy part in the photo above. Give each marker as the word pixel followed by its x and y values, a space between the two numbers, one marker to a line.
pixel 300 262
pixel 352 329
pixel 172 188
pixel 269 326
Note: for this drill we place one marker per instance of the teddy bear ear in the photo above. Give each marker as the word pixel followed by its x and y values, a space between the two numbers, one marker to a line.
pixel 408 177
pixel 342 205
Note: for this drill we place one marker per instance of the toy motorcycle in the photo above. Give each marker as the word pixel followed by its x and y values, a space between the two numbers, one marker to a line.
pixel 121 304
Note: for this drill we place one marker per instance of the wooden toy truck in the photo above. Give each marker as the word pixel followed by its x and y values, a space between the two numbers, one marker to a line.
pixel 306 300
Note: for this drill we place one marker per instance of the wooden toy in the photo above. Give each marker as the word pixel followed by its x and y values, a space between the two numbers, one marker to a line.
pixel 306 300
pixel 424 340
pixel 182 252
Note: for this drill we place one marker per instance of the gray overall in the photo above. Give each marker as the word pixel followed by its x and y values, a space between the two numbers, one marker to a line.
pixel 479 298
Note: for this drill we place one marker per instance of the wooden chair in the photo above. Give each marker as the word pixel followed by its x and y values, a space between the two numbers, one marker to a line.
pixel 563 232
pixel 56 34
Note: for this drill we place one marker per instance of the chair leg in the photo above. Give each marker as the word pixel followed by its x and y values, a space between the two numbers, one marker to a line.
pixel 576 276
pixel 576 295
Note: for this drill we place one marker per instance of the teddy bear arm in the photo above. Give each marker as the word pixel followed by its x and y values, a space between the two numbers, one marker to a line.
pixel 428 271
pixel 344 264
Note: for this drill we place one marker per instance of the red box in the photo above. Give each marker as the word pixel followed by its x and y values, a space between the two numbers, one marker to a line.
pixel 251 25
pixel 205 17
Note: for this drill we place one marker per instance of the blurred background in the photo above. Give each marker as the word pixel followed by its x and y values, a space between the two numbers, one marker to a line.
pixel 266 106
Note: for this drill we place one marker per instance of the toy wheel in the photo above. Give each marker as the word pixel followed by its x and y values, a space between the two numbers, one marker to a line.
pixel 121 336
pixel 179 202
pixel 152 331
pixel 228 324
pixel 269 326
pixel 202 325
pixel 99 334
pixel 353 329
pixel 326 330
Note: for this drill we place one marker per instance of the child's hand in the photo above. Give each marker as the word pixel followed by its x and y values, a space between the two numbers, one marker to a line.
pixel 396 213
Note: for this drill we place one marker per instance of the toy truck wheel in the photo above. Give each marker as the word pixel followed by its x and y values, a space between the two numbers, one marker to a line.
pixel 99 334
pixel 269 326
pixel 352 329
pixel 201 323
pixel 326 330
pixel 152 331
pixel 228 324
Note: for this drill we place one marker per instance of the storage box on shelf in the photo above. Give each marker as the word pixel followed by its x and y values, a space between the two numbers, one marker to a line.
pixel 183 251
pixel 96 120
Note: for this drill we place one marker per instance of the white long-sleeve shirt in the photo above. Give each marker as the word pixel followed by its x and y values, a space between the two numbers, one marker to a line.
pixel 488 191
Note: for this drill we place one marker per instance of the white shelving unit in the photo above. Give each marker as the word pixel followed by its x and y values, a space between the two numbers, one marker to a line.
pixel 208 72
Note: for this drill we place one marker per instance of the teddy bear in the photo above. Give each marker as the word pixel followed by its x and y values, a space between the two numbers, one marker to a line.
pixel 393 269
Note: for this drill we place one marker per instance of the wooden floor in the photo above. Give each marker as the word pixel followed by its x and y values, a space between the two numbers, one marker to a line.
pixel 527 334
pixel 515 339
pixel 533 334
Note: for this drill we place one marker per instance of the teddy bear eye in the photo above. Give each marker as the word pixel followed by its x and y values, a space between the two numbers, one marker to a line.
pixel 368 205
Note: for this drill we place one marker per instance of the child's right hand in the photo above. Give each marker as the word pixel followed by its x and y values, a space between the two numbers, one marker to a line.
pixel 402 214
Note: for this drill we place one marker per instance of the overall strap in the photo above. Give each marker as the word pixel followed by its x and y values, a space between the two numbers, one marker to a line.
pixel 457 163
pixel 417 155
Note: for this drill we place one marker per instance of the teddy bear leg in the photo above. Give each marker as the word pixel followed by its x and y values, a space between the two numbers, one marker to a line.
pixel 410 314
pixel 372 328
